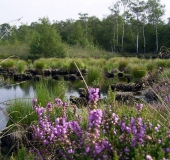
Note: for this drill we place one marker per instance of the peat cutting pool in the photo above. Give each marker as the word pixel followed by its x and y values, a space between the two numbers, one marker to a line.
pixel 27 90
pixel 22 90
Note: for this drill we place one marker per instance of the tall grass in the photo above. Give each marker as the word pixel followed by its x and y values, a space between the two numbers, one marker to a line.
pixel 20 113
pixel 94 76
pixel 21 50
pixel 39 64
pixel 138 72
pixel 9 63
pixel 21 66
pixel 48 89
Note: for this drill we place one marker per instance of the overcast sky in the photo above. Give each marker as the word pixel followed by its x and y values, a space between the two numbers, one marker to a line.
pixel 32 10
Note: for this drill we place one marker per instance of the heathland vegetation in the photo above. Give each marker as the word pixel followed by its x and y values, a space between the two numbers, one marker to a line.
pixel 124 48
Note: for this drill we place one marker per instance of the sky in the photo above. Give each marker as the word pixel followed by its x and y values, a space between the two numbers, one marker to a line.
pixel 32 10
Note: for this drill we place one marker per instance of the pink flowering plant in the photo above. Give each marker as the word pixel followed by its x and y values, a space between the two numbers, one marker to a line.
pixel 108 132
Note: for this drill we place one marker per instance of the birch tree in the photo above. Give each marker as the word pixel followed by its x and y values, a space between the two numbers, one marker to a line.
pixel 155 12
pixel 137 8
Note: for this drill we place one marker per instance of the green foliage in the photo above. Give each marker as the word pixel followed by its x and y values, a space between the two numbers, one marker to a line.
pixel 9 63
pixel 46 42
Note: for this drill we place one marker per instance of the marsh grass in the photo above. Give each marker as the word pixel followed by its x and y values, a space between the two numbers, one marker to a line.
pixel 47 90
pixel 138 72
pixel 39 64
pixel 111 64
pixel 150 65
pixel 21 66
pixel 20 50
pixel 10 63
pixel 77 51
pixel 160 63
pixel 123 63
pixel 94 76
pixel 79 63
pixel 165 73
pixel 21 111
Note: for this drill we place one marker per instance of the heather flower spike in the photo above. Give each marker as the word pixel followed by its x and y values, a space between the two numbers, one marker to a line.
pixel 139 107
pixel 34 101
pixel 93 94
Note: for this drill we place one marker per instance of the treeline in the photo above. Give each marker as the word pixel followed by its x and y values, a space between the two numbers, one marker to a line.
pixel 133 27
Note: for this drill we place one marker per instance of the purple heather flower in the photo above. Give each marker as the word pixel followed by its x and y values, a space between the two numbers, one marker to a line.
pixel 49 106
pixel 167 99
pixel 156 129
pixel 132 122
pixel 159 141
pixel 126 150
pixel 74 126
pixel 123 127
pixel 95 118
pixel 139 107
pixel 98 148
pixel 105 157
pixel 93 94
pixel 34 100
pixel 70 151
pixel 59 102
pixel 40 111
pixel 167 150
pixel 148 157
pixel 65 104
pixel 87 149
pixel 115 118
